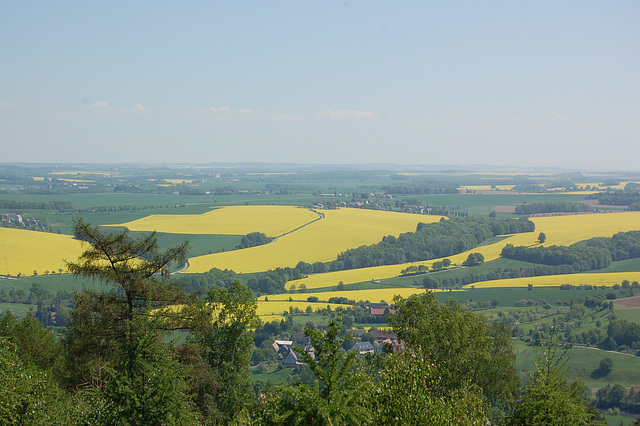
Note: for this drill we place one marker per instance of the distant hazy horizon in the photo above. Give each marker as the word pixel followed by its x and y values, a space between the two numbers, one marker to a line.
pixel 510 84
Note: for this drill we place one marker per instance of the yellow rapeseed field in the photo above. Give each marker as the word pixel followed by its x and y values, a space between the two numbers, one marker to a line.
pixel 320 241
pixel 278 307
pixel 374 295
pixel 606 279
pixel 232 220
pixel 486 187
pixel 76 180
pixel 84 172
pixel 174 181
pixel 560 230
pixel 23 251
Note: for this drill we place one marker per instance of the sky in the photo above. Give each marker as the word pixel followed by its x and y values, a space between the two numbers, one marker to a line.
pixel 532 84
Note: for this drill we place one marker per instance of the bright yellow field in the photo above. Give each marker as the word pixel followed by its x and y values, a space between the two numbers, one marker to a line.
pixel 600 185
pixel 87 172
pixel 375 295
pixel 607 279
pixel 486 187
pixel 320 241
pixel 560 230
pixel 76 180
pixel 278 307
pixel 175 181
pixel 232 220
pixel 23 251
pixel 41 178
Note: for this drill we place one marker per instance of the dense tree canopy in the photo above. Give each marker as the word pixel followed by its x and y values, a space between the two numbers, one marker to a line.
pixel 430 241
pixel 463 344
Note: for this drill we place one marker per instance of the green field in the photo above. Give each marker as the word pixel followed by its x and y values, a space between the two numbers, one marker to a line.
pixel 584 361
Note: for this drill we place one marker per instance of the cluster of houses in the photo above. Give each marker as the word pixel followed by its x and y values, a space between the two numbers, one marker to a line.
pixel 407 208
pixel 287 355
pixel 13 218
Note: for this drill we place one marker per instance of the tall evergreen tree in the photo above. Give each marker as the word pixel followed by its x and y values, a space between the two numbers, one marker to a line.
pixel 115 338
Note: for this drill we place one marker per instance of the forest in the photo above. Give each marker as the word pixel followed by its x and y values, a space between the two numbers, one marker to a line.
pixel 430 241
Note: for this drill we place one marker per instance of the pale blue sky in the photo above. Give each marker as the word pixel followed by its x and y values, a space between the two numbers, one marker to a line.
pixel 542 83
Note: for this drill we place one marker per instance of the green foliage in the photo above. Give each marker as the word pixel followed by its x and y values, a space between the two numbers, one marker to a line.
pixel 542 237
pixel 552 207
pixel 253 239
pixel 28 395
pixel 409 391
pixel 605 367
pixel 229 342
pixel 430 282
pixel 462 344
pixel 474 259
pixel 617 198
pixel 148 385
pixel 340 395
pixel 595 253
pixel 430 241
pixel 548 398
pixel 114 339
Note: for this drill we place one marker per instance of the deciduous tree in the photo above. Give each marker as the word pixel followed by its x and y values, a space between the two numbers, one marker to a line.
pixel 464 345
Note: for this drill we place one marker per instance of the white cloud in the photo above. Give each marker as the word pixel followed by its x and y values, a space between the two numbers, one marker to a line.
pixel 5 103
pixel 346 115
pixel 220 110
pixel 246 111
pixel 101 106
pixel 139 108
pixel 104 107
pixel 513 119
pixel 562 117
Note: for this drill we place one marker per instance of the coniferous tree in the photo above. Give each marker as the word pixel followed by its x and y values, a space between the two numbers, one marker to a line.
pixel 115 339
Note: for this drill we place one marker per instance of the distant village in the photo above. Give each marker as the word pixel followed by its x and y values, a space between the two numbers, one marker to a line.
pixel 364 341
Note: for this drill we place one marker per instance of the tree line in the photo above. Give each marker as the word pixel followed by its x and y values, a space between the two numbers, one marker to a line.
pixel 618 198
pixel 595 253
pixel 421 189
pixel 430 241
pixel 36 205
pixel 552 207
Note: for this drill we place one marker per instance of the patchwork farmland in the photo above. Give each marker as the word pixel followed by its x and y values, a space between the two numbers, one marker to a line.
pixel 307 227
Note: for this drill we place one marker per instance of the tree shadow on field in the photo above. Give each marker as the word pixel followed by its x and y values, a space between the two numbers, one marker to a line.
pixel 599 373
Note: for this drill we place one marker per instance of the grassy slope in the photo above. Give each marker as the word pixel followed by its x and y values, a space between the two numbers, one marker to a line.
pixel 582 363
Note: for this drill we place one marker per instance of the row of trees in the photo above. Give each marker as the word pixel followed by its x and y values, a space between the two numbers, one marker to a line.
pixel 552 207
pixel 618 198
pixel 430 241
pixel 36 205
pixel 421 189
pixel 595 253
